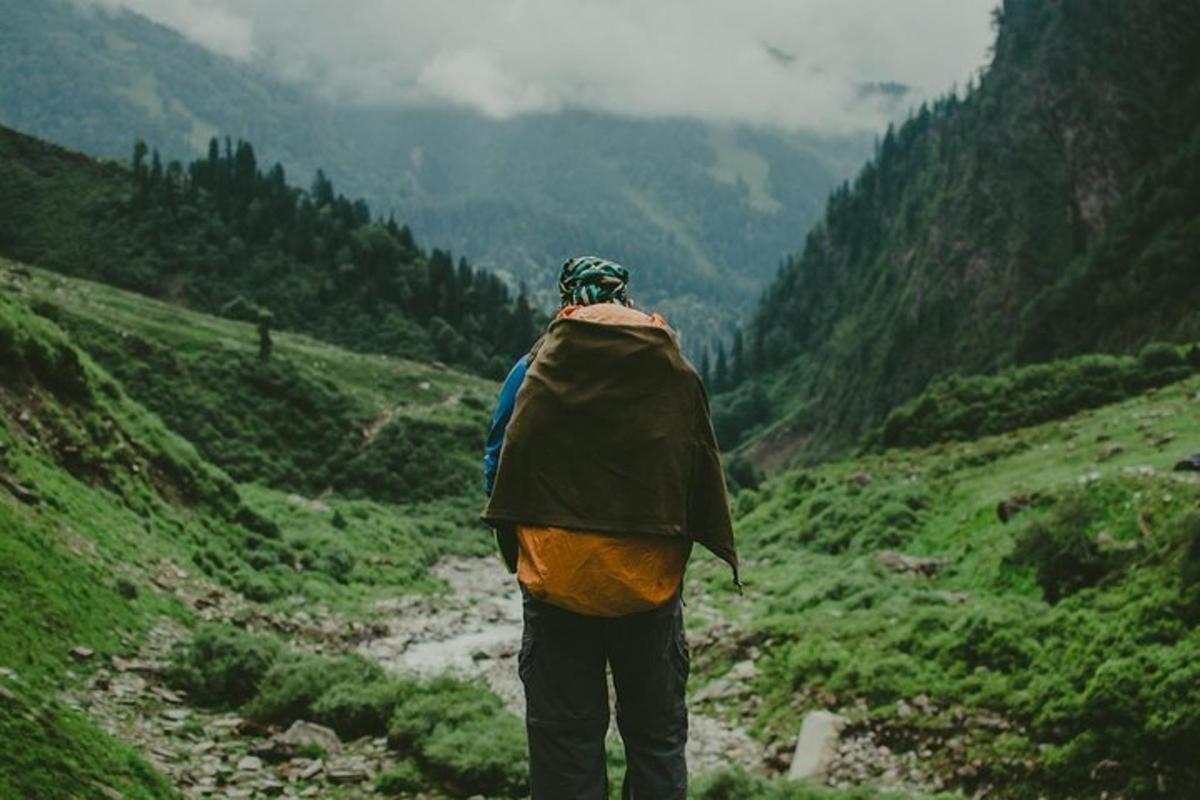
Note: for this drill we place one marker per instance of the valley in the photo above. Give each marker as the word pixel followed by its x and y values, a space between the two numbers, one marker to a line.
pixel 956 390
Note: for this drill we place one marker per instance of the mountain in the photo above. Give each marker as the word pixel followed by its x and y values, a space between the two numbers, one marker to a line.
pixel 703 213
pixel 1053 209
pixel 226 236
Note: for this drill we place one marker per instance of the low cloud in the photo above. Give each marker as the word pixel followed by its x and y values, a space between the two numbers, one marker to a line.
pixel 794 63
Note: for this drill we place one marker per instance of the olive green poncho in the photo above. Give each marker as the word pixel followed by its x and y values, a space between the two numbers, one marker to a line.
pixel 611 434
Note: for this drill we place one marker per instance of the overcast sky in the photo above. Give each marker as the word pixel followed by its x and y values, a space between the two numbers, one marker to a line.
pixel 795 63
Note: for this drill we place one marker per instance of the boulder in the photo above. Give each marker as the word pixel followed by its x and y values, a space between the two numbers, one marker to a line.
pixel 816 746
pixel 306 734
pixel 1189 464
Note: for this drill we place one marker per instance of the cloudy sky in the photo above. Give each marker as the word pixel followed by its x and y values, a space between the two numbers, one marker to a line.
pixel 794 63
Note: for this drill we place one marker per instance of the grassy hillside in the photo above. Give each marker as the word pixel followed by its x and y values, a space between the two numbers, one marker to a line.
pixel 93 491
pixel 103 509
pixel 1050 210
pixel 1052 655
pixel 516 196
pixel 310 418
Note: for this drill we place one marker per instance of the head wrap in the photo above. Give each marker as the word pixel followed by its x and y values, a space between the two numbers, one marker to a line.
pixel 587 280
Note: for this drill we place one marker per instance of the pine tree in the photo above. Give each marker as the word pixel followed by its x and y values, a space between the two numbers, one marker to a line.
pixel 720 382
pixel 737 366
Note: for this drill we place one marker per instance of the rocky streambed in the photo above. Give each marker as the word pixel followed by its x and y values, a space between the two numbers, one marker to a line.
pixel 472 629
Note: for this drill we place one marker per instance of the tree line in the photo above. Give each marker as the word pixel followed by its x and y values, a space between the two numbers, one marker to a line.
pixel 223 235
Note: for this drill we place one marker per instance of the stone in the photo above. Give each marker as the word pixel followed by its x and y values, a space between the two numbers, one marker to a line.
pixel 1189 464
pixel 175 714
pixel 344 775
pixel 304 734
pixel 916 565
pixel 1111 451
pixel 816 746
pixel 249 763
pixel 271 788
pixel 139 665
pixel 162 693
pixel 1011 506
pixel 81 653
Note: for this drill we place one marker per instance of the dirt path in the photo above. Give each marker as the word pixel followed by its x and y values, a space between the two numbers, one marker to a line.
pixel 475 630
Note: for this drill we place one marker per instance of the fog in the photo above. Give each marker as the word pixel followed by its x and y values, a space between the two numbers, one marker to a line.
pixel 800 64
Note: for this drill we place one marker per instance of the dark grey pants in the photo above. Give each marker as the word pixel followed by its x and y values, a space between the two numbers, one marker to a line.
pixel 562 664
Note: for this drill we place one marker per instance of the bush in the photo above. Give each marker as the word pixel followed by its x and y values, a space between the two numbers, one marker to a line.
pixel 737 784
pixel 403 778
pixel 461 734
pixel 1062 550
pixel 958 408
pixel 360 709
pixel 293 687
pixel 1159 356
pixel 222 667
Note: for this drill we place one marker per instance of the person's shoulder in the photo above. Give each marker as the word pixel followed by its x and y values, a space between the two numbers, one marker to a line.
pixel 612 314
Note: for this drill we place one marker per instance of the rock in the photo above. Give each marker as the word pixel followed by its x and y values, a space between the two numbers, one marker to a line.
pixel 1165 439
pixel 897 562
pixel 343 775
pixel 246 727
pixel 1111 451
pixel 816 746
pixel 1189 464
pixel 305 734
pixel 271 787
pixel 860 479
pixel 719 689
pixel 175 714
pixel 249 763
pixel 163 693
pixel 743 671
pixel 1009 507
pixel 81 653
pixel 139 665
pixel 312 770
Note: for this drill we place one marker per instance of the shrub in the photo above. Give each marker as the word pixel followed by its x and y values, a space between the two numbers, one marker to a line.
pixel 402 778
pixel 461 734
pixel 1062 550
pixel 957 408
pixel 222 666
pixel 356 709
pixel 293 687
pixel 1158 356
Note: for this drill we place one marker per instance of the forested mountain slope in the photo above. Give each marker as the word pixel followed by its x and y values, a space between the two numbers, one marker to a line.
pixel 1054 209
pixel 227 236
pixel 703 213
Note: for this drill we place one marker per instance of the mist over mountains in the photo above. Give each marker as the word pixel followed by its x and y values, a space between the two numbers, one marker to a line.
pixel 704 213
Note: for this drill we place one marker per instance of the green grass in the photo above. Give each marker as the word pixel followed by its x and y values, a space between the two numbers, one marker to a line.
pixel 95 491
pixel 313 417
pixel 456 734
pixel 1104 672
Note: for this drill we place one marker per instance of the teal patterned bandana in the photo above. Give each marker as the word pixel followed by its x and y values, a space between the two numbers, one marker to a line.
pixel 587 280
